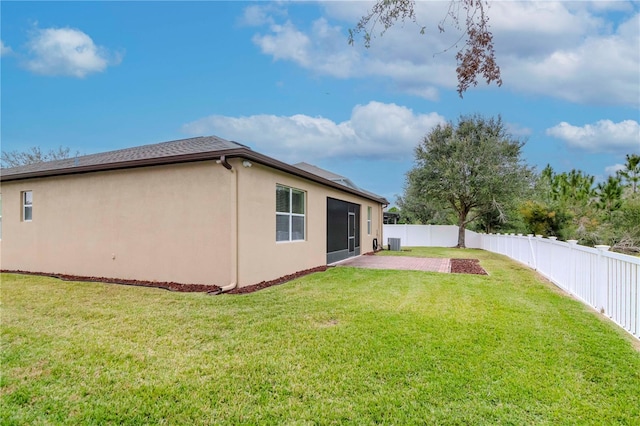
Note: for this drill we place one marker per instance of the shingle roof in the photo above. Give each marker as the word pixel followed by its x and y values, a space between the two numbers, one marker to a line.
pixel 185 150
pixel 145 152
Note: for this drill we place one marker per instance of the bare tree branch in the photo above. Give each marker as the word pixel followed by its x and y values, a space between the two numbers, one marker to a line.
pixel 475 59
pixel 34 155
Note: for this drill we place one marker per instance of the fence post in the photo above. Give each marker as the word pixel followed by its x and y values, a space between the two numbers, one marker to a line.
pixel 538 257
pixel 602 283
pixel 405 235
pixel 532 254
pixel 512 245
pixel 572 266
pixel 555 265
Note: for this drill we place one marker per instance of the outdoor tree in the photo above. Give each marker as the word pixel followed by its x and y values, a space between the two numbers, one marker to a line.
pixel 415 209
pixel 626 225
pixel 609 195
pixel 544 213
pixel 574 197
pixel 476 58
pixel 631 171
pixel 541 219
pixel 473 167
pixel 574 188
pixel 33 155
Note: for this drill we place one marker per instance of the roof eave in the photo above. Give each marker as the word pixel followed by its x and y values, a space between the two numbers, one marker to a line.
pixel 188 158
pixel 158 161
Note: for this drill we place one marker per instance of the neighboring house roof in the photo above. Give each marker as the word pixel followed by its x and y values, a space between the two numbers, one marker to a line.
pixel 180 151
pixel 326 174
pixel 334 178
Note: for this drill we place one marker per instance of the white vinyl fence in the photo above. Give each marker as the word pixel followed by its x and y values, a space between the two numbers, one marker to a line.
pixel 606 281
pixel 429 235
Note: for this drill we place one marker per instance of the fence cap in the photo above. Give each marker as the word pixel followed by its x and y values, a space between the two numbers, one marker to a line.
pixel 602 247
pixel 538 235
pixel 553 238
pixel 572 242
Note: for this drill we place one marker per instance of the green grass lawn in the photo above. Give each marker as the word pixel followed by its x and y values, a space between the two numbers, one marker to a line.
pixel 347 346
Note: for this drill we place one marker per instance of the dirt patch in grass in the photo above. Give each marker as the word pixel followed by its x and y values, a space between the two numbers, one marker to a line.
pixel 467 266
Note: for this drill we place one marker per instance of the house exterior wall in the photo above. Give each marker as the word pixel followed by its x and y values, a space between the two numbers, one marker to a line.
pixel 162 223
pixel 192 223
pixel 261 258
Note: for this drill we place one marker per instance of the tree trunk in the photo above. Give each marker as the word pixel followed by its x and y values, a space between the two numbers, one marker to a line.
pixel 461 227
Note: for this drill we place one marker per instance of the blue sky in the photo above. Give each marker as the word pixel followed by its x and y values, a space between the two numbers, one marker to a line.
pixel 281 78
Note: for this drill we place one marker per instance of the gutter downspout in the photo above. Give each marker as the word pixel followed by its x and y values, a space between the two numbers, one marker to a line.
pixel 234 228
pixel 223 161
pixel 381 225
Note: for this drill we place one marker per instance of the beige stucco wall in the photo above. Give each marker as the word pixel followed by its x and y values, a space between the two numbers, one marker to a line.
pixel 195 223
pixel 162 223
pixel 261 258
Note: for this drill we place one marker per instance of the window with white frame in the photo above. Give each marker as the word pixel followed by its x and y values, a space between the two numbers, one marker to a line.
pixel 27 206
pixel 369 220
pixel 290 214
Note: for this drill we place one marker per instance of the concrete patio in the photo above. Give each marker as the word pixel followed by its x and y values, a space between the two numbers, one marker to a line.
pixel 398 262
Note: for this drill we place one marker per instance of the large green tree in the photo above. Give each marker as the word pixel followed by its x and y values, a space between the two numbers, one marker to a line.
pixel 417 210
pixel 472 166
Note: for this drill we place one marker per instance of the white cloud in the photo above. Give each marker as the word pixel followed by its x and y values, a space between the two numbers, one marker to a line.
pixel 426 92
pixel 612 170
pixel 608 5
pixel 517 130
pixel 261 14
pixel 323 49
pixel 375 130
pixel 286 42
pixel 4 49
pixel 67 51
pixel 601 69
pixel 603 136
pixel 539 28
pixel 559 49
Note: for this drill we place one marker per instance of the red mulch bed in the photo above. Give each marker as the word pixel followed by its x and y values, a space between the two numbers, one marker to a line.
pixel 467 266
pixel 171 286
pixel 281 280
pixel 458 266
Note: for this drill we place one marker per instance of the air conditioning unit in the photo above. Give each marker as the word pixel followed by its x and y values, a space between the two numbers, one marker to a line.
pixel 394 244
